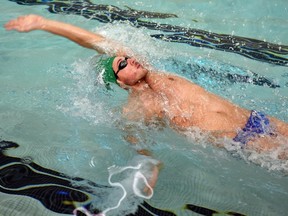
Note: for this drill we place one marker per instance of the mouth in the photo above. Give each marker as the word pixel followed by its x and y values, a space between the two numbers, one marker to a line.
pixel 138 65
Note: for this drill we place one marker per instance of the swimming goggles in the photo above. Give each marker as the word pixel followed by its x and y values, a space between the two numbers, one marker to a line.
pixel 121 66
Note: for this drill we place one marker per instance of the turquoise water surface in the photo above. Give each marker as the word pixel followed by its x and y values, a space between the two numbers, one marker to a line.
pixel 64 120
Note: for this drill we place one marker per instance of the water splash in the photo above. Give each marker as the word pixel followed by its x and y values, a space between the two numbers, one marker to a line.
pixel 138 175
pixel 135 178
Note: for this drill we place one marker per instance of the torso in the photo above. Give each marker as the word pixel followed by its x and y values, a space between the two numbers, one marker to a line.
pixel 185 105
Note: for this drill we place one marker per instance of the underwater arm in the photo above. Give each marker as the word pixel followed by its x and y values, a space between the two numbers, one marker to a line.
pixel 155 167
pixel 78 35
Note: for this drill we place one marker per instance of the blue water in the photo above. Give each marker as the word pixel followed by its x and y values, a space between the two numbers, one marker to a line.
pixel 61 118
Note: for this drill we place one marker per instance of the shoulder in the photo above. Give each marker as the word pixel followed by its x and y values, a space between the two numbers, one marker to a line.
pixel 155 78
pixel 144 104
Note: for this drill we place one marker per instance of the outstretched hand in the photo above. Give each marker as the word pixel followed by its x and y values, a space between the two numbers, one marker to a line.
pixel 25 23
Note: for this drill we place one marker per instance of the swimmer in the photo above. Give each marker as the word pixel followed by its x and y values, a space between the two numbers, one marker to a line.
pixel 160 95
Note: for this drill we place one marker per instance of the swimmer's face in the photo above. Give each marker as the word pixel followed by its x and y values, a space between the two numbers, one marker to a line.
pixel 128 70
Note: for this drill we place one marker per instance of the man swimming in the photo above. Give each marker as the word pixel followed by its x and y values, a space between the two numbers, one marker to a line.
pixel 158 95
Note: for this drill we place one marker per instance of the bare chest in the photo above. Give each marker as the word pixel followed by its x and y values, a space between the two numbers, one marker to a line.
pixel 162 105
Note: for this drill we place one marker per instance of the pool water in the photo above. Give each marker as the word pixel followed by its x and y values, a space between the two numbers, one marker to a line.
pixel 64 120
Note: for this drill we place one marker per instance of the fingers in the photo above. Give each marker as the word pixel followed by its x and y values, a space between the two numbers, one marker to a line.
pixel 10 25
pixel 15 24
pixel 23 23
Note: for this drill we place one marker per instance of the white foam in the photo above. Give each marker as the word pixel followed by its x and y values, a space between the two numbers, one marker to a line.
pixel 270 159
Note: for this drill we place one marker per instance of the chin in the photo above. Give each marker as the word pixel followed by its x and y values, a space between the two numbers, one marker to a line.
pixel 143 75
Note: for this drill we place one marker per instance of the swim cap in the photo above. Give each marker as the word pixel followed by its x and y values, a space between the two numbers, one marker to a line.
pixel 105 64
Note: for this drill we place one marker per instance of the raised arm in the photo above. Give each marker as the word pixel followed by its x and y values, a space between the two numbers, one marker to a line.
pixel 78 35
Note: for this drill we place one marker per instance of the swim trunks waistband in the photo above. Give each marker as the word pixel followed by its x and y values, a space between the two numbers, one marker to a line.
pixel 257 124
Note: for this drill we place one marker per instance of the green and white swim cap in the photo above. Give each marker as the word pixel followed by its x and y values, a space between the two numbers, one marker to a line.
pixel 103 66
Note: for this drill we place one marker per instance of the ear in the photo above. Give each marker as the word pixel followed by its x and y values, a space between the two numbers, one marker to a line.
pixel 123 85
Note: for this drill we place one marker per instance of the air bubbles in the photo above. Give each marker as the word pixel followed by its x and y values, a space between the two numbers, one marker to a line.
pixel 63 157
pixel 91 163
pixel 129 183
pixel 27 160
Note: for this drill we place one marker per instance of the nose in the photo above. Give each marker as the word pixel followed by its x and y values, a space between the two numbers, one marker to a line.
pixel 132 61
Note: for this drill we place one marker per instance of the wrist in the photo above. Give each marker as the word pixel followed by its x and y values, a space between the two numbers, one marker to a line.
pixel 43 24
